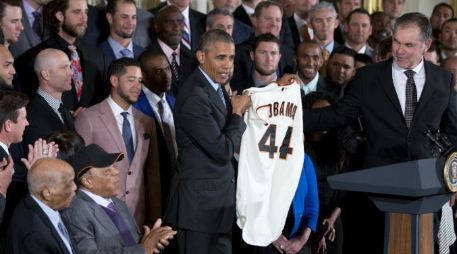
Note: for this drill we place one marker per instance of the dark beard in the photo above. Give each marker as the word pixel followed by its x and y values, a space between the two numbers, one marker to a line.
pixel 5 87
pixel 71 30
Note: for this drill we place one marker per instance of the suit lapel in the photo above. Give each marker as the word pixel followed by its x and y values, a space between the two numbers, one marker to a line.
pixel 427 91
pixel 35 208
pixel 50 111
pixel 139 132
pixel 108 119
pixel 212 94
pixel 387 84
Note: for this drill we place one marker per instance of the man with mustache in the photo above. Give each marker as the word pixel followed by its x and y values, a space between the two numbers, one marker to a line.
pixel 381 29
pixel 117 127
pixel 67 21
pixel 122 19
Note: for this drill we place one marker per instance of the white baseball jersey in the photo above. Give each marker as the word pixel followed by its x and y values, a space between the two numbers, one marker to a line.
pixel 271 160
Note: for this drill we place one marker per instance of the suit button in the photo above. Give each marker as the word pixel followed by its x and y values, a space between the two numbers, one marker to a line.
pixel 129 173
pixel 233 180
pixel 127 192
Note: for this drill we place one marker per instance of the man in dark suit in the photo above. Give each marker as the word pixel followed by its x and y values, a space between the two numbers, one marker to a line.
pixel 300 29
pixel 169 28
pixel 13 120
pixel 223 19
pixel 112 226
pixel 245 11
pixel 358 29
pixel 267 19
pixel 155 91
pixel 399 100
pixel 194 22
pixel 34 29
pixel 209 129
pixel 36 226
pixel 121 16
pixel 88 65
pixel 11 21
pixel 309 61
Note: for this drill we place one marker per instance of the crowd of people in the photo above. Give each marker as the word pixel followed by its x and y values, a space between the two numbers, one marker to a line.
pixel 120 127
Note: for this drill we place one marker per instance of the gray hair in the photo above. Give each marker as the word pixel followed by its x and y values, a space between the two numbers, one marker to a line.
pixel 323 5
pixel 213 36
pixel 418 19
pixel 210 16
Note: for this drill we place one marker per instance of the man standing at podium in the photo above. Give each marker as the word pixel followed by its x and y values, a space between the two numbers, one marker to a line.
pixel 399 99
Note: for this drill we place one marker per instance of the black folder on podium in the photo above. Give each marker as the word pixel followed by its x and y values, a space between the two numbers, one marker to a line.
pixel 410 192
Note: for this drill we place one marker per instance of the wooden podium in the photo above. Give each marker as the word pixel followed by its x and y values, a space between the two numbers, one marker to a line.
pixel 409 193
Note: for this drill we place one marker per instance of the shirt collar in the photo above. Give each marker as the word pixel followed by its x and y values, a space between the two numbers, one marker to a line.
pixel 155 99
pixel 53 102
pixel 417 69
pixel 248 9
pixel 96 198
pixel 330 46
pixel 299 21
pixel 52 214
pixel 5 147
pixel 361 51
pixel 167 50
pixel 117 110
pixel 311 86
pixel 211 82
pixel 29 9
pixel 118 47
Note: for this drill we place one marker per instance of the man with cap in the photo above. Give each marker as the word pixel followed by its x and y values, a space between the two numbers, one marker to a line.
pixel 96 219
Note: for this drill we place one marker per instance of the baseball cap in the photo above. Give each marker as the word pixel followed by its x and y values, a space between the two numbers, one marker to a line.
pixel 92 156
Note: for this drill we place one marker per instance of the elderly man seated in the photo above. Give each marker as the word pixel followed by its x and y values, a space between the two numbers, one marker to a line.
pixel 97 220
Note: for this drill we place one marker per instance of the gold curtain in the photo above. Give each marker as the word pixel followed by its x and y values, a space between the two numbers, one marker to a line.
pixel 454 5
pixel 375 5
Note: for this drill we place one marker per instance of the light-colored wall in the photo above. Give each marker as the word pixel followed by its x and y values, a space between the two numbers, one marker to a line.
pixel 423 6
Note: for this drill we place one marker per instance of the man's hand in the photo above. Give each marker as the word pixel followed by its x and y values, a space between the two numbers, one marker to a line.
pixel 287 79
pixel 41 149
pixel 240 103
pixel 297 243
pixel 281 243
pixel 6 173
pixel 156 239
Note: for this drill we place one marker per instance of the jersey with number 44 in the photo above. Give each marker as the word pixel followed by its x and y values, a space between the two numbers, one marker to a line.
pixel 270 163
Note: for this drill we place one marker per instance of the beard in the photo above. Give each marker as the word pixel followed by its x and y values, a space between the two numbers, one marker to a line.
pixel 264 72
pixel 72 30
pixel 124 35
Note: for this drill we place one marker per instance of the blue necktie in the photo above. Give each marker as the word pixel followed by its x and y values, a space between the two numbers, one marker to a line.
pixel 221 95
pixel 127 136
pixel 120 224
pixel 126 53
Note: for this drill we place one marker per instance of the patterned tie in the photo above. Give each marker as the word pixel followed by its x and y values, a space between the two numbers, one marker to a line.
pixel 77 76
pixel 325 57
pixel 186 36
pixel 37 25
pixel 174 66
pixel 446 234
pixel 166 127
pixel 411 97
pixel 63 231
pixel 127 136
pixel 126 53
pixel 120 224
pixel 221 95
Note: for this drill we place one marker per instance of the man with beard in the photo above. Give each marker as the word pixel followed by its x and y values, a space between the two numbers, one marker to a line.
pixel 448 40
pixel 265 56
pixel 67 21
pixel 309 61
pixel 168 25
pixel 11 21
pixel 34 29
pixel 381 29
pixel 7 70
pixel 340 70
pixel 117 127
pixel 358 29
pixel 157 102
pixel 121 16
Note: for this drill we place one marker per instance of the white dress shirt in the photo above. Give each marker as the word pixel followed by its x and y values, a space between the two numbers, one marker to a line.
pixel 311 86
pixel 361 51
pixel 399 78
pixel 117 110
pixel 99 200
pixel 54 217
pixel 5 147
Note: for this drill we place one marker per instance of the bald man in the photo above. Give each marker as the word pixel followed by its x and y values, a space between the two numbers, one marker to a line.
pixel 46 113
pixel 7 70
pixel 36 226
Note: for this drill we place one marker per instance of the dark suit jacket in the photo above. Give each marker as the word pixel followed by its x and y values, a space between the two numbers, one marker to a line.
pixel 244 64
pixel 94 231
pixel 43 121
pixel 295 34
pixel 109 53
pixel 242 15
pixel 92 64
pixel 188 63
pixel 241 31
pixel 32 232
pixel 203 190
pixel 166 169
pixel 372 96
pixel 197 27
pixel 3 154
pixel 338 35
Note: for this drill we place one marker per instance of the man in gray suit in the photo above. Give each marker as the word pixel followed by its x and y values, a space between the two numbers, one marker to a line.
pixel 96 219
